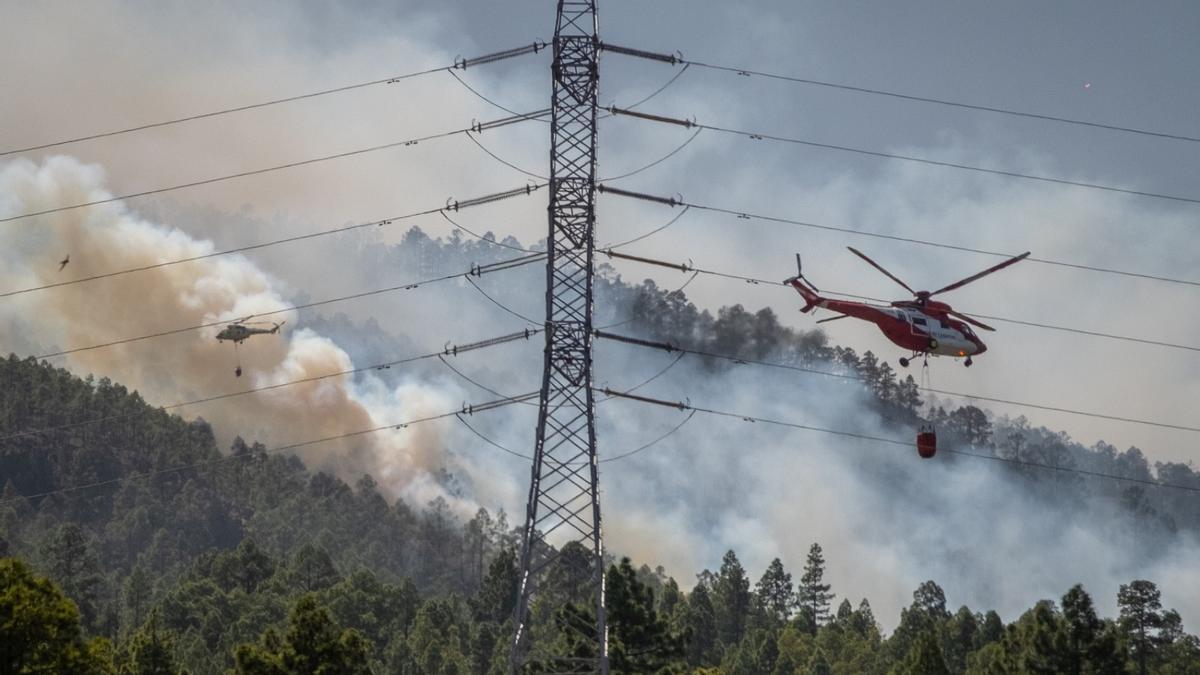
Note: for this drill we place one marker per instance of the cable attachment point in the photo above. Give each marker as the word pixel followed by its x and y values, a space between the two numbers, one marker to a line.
pixel 669 201
pixel 687 124
pixel 682 267
pixel 678 405
pixel 462 64
pixel 665 346
pixel 453 204
pixel 479 127
pixel 672 59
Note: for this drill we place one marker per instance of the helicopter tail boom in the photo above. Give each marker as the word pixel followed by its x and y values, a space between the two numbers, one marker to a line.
pixel 806 291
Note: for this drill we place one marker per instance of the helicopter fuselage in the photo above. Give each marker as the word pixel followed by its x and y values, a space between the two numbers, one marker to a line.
pixel 920 329
pixel 238 333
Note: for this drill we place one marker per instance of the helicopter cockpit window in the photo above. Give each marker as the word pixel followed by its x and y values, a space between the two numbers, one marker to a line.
pixel 918 321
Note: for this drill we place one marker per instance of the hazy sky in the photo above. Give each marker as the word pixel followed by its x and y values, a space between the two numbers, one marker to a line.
pixel 74 68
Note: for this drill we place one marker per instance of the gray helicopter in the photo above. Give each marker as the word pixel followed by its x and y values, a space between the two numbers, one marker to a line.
pixel 238 331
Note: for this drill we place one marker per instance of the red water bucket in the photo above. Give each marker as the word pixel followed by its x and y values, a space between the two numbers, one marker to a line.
pixel 926 442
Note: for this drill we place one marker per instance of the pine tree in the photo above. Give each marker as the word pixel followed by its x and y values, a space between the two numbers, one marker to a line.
pixel 701 626
pixel 639 639
pixel 73 565
pixel 1082 627
pixel 1140 604
pixel 150 651
pixel 924 658
pixel 731 600
pixel 863 620
pixel 818 664
pixel 497 595
pixel 39 627
pixel 775 592
pixel 812 594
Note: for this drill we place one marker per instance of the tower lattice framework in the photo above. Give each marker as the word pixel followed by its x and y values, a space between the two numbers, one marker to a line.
pixel 562 535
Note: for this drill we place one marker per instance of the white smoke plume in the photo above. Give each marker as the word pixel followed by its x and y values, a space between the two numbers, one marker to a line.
pixel 193 364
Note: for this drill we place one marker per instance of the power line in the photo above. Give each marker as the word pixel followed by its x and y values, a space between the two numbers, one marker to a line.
pixel 490 405
pixel 746 215
pixel 891 441
pixel 650 233
pixel 454 205
pixel 922 242
pixel 623 455
pixel 483 238
pixel 477 270
pixel 279 167
pixel 486 99
pixel 747 72
pixel 689 267
pixel 671 347
pixel 759 136
pixel 450 350
pixel 679 148
pixel 460 64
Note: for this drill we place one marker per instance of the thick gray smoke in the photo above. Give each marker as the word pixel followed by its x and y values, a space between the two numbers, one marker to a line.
pixel 194 363
pixel 886 520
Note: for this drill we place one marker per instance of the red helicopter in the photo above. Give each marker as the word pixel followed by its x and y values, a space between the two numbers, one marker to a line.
pixel 921 325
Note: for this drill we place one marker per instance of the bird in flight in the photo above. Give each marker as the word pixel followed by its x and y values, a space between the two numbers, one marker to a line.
pixel 63 263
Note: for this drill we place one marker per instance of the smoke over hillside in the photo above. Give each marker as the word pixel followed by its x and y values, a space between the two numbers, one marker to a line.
pixel 991 537
pixel 193 363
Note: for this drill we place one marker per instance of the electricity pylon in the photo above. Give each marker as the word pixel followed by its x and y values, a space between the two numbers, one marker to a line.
pixel 562 535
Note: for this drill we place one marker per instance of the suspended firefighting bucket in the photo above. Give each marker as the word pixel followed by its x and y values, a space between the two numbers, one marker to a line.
pixel 926 441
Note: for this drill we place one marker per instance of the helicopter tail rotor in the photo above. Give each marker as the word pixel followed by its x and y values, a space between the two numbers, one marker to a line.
pixel 805 287
pixel 800 276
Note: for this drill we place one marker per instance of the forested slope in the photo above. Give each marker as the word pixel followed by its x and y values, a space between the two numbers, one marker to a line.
pixel 178 552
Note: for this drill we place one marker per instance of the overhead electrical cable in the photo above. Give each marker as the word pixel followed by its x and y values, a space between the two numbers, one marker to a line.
pixel 746 215
pixel 501 305
pixel 480 237
pixel 532 174
pixel 486 99
pixel 505 162
pixel 449 350
pixel 656 162
pixel 682 406
pixel 944 102
pixel 676 59
pixel 452 205
pixel 671 347
pixel 477 270
pixel 482 407
pixel 486 439
pixel 646 235
pixel 688 267
pixel 656 92
pixel 459 64
pixel 478 127
pixel 759 136
pixel 495 392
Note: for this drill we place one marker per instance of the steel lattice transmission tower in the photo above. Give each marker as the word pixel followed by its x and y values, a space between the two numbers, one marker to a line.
pixel 564 505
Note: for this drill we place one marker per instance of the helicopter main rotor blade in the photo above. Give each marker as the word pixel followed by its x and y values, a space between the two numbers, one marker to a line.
pixel 879 267
pixel 973 322
pixel 974 277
